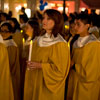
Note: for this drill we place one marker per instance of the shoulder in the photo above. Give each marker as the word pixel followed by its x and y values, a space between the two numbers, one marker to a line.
pixel 60 46
pixel 3 48
pixel 2 45
pixel 93 44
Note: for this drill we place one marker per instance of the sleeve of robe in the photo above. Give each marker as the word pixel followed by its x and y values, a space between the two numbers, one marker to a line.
pixel 14 68
pixel 96 34
pixel 90 63
pixel 86 84
pixel 56 71
pixel 6 90
pixel 18 38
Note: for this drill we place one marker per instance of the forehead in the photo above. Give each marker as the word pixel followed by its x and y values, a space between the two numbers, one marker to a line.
pixel 4 27
pixel 45 15
pixel 79 21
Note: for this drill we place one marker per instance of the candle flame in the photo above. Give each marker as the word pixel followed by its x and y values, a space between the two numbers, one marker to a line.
pixel 68 44
pixel 23 40
pixel 66 26
pixel 31 42
pixel 21 31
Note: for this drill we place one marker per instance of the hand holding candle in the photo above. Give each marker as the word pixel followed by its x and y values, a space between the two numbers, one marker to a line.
pixel 32 65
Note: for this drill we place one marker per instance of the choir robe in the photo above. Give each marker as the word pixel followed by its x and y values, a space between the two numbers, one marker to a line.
pixel 13 55
pixel 6 89
pixel 96 34
pixel 84 80
pixel 48 83
pixel 18 38
pixel 25 55
pixel 94 30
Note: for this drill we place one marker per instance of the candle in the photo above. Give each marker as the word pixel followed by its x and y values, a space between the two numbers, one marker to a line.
pixel 66 27
pixel 21 31
pixel 23 43
pixel 30 51
pixel 69 45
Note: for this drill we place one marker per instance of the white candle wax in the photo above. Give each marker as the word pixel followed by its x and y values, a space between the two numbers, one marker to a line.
pixel 30 51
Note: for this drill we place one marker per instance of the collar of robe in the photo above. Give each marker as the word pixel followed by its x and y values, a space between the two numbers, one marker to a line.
pixel 48 40
pixel 10 42
pixel 1 39
pixel 92 29
pixel 81 41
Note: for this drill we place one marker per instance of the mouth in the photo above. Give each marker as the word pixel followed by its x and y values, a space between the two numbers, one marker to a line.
pixel 44 25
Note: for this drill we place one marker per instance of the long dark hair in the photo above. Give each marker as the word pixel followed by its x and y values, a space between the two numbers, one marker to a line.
pixel 57 17
pixel 17 25
pixel 35 25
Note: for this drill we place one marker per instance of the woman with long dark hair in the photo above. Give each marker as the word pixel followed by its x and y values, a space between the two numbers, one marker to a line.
pixel 50 61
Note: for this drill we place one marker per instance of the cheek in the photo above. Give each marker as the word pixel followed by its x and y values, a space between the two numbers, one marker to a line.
pixel 52 24
pixel 80 29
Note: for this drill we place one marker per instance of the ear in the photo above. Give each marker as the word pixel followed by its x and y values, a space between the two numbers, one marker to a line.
pixel 87 25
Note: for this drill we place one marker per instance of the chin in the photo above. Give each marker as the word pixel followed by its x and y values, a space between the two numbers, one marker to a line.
pixel 44 28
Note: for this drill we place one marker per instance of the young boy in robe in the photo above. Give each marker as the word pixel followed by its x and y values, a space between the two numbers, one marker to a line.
pixel 84 79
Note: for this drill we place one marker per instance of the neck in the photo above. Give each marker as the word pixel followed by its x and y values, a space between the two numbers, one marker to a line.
pixel 49 31
pixel 84 34
pixel 30 35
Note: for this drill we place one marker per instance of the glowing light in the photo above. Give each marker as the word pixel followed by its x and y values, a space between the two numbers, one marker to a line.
pixel 98 11
pixel 68 4
pixel 25 5
pixel 69 45
pixel 30 51
pixel 66 27
pixel 23 40
pixel 28 12
pixel 60 8
pixel 59 5
pixel 18 8
pixel 52 4
pixel 23 43
pixel 21 31
pixel 83 9
pixel 6 6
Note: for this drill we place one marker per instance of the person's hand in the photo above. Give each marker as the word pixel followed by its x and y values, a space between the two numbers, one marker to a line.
pixel 33 65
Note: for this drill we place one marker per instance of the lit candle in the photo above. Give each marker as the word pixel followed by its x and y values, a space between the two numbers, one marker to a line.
pixel 23 43
pixel 21 31
pixel 30 51
pixel 69 45
pixel 66 27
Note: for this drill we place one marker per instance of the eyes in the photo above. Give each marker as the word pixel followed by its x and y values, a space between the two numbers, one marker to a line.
pixel 78 24
pixel 47 18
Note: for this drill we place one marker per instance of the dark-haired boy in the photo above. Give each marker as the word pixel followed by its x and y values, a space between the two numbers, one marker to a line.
pixel 87 63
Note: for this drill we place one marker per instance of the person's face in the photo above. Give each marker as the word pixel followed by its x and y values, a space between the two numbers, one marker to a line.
pixel 48 23
pixel 29 30
pixel 80 27
pixel 5 32
pixel 72 29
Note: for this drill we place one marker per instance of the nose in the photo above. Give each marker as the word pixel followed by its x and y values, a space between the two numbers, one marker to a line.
pixel 43 21
pixel 75 27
